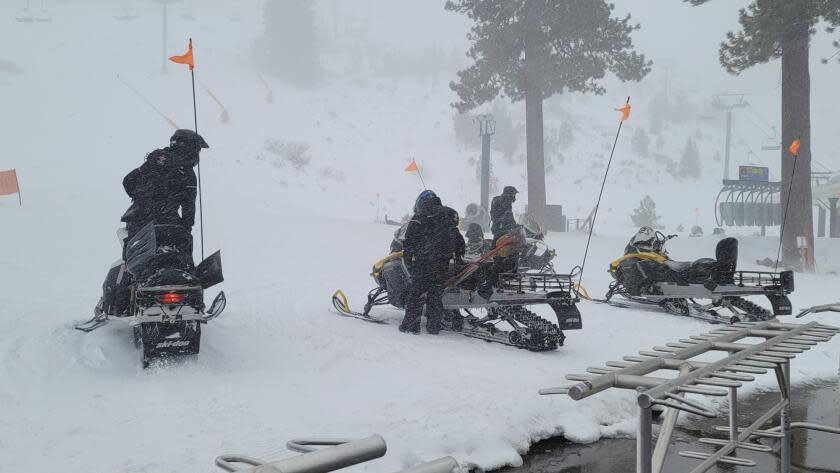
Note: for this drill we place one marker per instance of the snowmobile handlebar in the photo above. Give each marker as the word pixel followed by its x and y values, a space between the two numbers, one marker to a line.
pixel 663 238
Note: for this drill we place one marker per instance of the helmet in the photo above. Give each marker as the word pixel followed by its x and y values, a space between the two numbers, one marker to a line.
pixel 423 197
pixel 187 138
pixel 474 232
pixel 472 210
pixel 509 190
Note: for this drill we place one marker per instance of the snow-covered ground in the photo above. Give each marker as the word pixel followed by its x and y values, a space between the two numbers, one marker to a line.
pixel 280 363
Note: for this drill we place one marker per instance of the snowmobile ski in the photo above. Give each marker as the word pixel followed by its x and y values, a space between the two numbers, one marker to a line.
pixel 92 324
pixel 339 301
pixel 99 319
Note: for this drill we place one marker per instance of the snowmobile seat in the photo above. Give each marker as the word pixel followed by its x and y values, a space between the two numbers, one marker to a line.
pixel 727 255
pixel 678 266
pixel 698 271
pixel 698 266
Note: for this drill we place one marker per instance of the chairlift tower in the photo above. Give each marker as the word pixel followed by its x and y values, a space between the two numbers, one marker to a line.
pixel 728 102
pixel 164 32
pixel 486 129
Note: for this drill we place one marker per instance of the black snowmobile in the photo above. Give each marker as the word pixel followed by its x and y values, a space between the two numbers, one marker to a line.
pixel 505 307
pixel 160 292
pixel 645 274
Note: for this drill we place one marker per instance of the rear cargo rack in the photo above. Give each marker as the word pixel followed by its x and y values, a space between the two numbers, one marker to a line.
pixel 766 279
pixel 536 282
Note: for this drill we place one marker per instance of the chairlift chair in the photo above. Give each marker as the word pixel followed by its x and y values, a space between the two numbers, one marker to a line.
pixel 43 15
pixel 126 13
pixel 24 15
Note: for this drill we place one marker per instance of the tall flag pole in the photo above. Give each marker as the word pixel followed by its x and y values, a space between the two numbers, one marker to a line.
pixel 188 59
pixel 413 168
pixel 794 151
pixel 625 114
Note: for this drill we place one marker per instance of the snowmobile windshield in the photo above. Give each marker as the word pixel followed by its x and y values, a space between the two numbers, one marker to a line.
pixel 644 239
pixel 533 230
pixel 540 247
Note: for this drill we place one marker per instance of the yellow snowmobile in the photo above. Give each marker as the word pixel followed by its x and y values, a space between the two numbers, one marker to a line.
pixel 645 274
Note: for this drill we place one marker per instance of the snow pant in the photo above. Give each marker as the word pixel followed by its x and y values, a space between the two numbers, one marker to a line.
pixel 425 289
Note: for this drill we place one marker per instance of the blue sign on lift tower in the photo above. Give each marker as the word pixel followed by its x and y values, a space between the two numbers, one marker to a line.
pixel 754 173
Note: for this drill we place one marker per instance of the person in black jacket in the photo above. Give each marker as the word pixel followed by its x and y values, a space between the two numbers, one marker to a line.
pixel 429 245
pixel 457 247
pixel 164 184
pixel 501 212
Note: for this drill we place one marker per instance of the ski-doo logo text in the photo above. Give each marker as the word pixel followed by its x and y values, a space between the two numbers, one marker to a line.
pixel 170 343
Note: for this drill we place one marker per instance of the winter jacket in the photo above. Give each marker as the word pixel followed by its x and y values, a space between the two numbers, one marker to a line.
pixel 159 188
pixel 501 215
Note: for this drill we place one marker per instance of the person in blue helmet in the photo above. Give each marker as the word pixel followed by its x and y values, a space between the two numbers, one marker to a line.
pixel 429 245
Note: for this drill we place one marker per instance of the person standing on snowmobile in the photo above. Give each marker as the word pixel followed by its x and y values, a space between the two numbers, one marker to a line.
pixel 429 245
pixel 501 213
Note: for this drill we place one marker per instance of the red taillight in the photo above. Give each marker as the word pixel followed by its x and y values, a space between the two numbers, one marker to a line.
pixel 171 298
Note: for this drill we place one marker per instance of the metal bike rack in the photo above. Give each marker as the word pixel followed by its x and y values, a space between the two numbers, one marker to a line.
pixel 782 342
pixel 322 455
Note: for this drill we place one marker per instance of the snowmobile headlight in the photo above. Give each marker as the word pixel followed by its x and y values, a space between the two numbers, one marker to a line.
pixel 171 298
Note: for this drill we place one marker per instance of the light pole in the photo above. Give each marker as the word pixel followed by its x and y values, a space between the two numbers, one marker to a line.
pixel 486 129
pixel 739 102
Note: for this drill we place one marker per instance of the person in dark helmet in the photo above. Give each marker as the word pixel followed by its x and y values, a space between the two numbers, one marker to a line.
pixel 501 212
pixel 165 184
pixel 399 234
pixel 429 245
pixel 163 191
pixel 424 198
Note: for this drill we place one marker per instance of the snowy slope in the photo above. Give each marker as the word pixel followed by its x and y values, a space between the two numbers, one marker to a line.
pixel 280 363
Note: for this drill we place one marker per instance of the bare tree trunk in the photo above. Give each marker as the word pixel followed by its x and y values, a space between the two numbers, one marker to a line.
pixel 796 123
pixel 534 118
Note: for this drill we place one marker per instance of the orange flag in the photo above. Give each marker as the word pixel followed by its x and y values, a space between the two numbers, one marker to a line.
pixel 411 167
pixel 186 58
pixel 625 111
pixel 9 183
pixel 794 147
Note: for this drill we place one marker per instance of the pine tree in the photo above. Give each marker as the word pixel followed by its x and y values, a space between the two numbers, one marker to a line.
pixel 690 161
pixel 289 47
pixel 782 29
pixel 532 49
pixel 645 214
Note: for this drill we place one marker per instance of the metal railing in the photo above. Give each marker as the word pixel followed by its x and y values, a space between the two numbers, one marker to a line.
pixel 782 342
pixel 323 455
